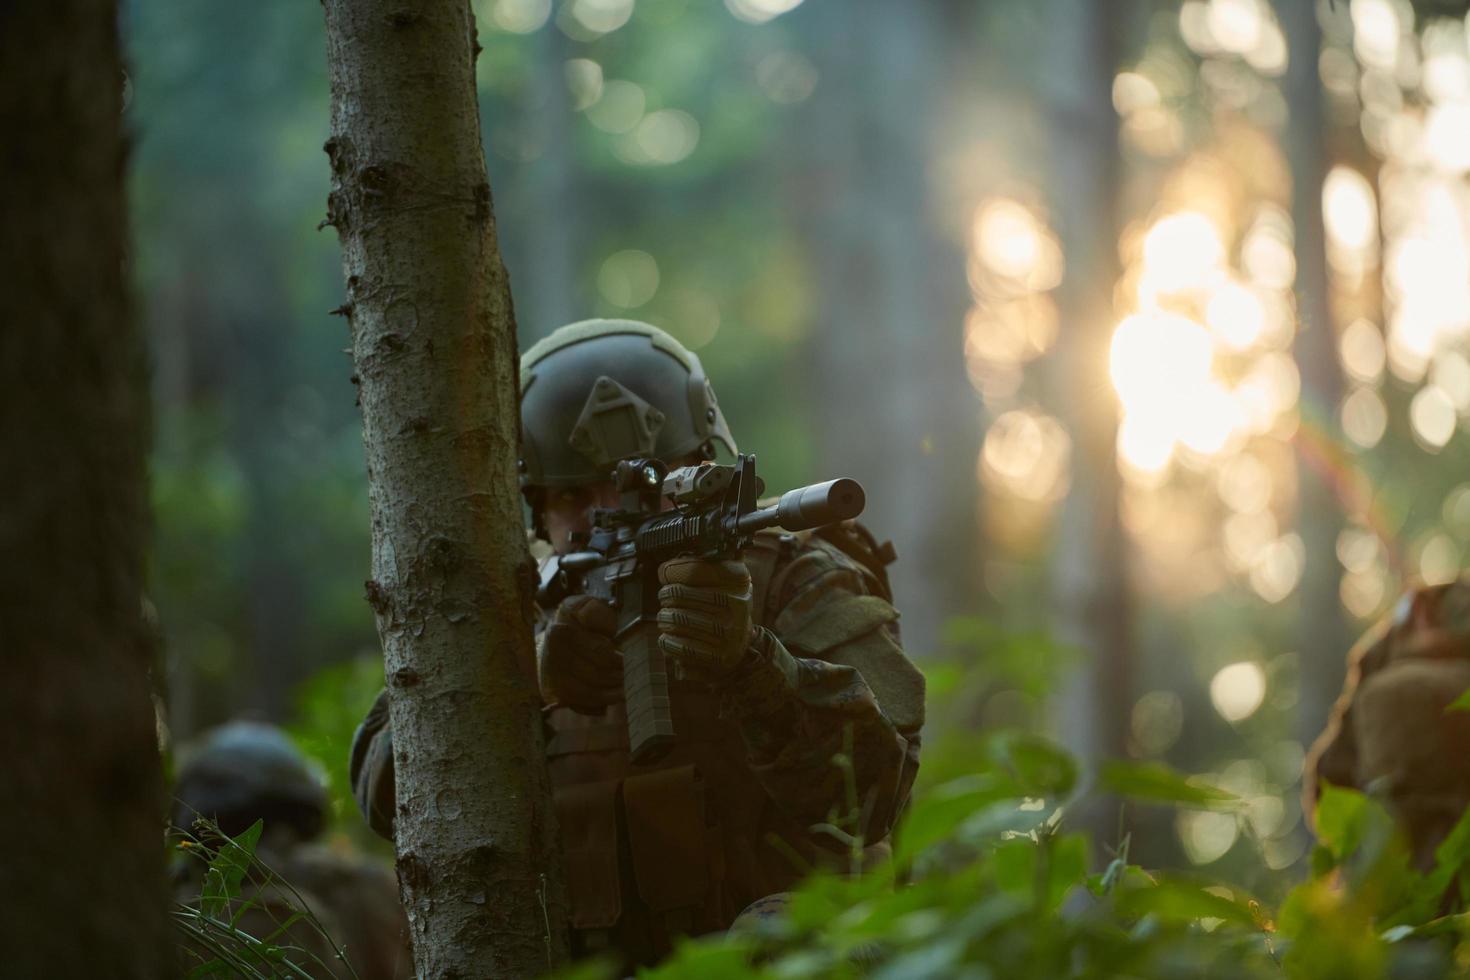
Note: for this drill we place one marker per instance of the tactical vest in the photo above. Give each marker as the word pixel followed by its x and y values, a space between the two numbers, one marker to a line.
pixel 682 846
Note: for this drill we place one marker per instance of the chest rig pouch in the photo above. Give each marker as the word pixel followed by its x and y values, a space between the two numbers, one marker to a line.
pixel 668 842
pixel 649 850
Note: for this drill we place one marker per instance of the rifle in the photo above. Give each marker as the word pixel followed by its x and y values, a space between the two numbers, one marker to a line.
pixel 714 515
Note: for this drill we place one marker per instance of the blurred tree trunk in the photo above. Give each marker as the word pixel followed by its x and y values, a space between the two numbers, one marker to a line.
pixel 83 871
pixel 1322 637
pixel 433 345
pixel 1092 608
pixel 893 405
pixel 550 213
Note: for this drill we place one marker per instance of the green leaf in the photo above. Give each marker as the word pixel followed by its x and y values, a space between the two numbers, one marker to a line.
pixel 227 870
pixel 1154 782
pixel 1450 860
pixel 1041 872
pixel 1040 767
pixel 1461 703
pixel 1182 900
pixel 1341 819
pixel 209 968
pixel 938 814
pixel 1029 662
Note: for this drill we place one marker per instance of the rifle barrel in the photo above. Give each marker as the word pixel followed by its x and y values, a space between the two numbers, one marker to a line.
pixel 808 507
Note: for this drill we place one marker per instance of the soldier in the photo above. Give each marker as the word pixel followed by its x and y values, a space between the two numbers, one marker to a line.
pixel 247 771
pixel 1390 734
pixel 790 657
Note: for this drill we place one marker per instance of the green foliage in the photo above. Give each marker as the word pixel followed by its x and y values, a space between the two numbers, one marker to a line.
pixel 1026 661
pixel 227 869
pixel 329 706
pixel 1154 782
pixel 988 881
pixel 246 921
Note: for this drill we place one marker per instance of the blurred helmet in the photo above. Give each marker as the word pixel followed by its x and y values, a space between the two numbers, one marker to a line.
pixel 247 771
pixel 599 391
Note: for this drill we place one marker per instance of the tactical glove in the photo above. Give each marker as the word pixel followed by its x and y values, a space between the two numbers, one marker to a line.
pixel 580 667
pixel 704 616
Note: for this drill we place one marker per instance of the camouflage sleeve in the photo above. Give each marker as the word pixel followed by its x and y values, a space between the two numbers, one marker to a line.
pixel 370 768
pixel 830 679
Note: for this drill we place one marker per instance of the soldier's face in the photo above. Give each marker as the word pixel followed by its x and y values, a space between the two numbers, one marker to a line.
pixel 568 511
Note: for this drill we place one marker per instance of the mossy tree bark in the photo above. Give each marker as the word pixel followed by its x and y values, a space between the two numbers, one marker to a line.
pixel 83 871
pixel 433 347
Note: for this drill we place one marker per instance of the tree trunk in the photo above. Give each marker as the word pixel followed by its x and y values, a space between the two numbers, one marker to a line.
pixel 548 208
pixel 433 346
pixel 83 872
pixel 1091 601
pixel 1322 634
pixel 890 300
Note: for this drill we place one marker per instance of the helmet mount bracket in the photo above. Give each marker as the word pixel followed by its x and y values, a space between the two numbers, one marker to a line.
pixel 615 424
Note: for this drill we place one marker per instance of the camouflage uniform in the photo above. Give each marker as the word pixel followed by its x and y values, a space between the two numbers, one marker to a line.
pixel 247 771
pixel 727 817
pixel 1390 734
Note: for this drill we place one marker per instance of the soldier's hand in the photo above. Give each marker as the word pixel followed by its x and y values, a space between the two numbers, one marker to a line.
pixel 704 616
pixel 580 667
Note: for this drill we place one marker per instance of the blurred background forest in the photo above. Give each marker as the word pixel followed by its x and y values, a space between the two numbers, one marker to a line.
pixel 1145 324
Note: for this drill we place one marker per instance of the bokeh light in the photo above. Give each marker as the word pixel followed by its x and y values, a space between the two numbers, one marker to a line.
pixel 1181 251
pixel 1156 722
pixel 1266 251
pixel 619 108
pixel 1237 690
pixel 1244 484
pixel 1377 29
pixel 1439 560
pixel 1363 592
pixel 1350 216
pixel 1206 835
pixel 786 76
pixel 1011 331
pixel 760 11
pixel 1362 352
pixel 519 16
pixel 1432 416
pixel 1456 511
pixel 584 82
pixel 1277 568
pixel 662 137
pixel 1026 454
pixel 1014 245
pixel 1158 360
pixel 1364 417
pixel 628 279
pixel 601 16
pixel 1236 315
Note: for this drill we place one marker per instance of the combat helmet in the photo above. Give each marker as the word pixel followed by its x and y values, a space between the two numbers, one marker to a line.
pixel 246 771
pixel 598 391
